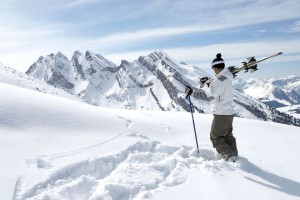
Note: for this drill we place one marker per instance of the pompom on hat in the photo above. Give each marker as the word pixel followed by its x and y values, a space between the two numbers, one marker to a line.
pixel 218 62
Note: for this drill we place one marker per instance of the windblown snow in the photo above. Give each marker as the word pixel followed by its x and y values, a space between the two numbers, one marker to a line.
pixel 56 148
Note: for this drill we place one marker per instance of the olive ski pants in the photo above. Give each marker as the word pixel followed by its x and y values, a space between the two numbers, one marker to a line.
pixel 221 136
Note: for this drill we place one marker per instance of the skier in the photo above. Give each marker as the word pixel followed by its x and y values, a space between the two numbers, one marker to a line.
pixel 221 95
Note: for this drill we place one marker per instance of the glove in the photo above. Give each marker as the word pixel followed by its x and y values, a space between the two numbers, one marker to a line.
pixel 188 91
pixel 231 69
pixel 203 80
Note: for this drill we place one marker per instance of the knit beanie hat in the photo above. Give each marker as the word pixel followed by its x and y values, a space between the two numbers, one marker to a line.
pixel 218 62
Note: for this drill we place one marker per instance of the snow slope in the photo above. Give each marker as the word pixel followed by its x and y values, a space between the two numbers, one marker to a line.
pixel 56 148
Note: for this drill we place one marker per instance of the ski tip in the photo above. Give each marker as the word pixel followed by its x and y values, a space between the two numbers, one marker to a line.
pixel 280 53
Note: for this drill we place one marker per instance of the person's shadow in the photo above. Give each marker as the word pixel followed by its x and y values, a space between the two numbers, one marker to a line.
pixel 279 183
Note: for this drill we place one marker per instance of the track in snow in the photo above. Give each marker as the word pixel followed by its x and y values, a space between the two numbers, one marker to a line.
pixel 135 172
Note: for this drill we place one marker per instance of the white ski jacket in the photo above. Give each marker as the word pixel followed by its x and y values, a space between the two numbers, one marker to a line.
pixel 220 93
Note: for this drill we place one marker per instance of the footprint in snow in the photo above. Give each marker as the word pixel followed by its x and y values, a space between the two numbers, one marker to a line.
pixel 166 127
pixel 128 121
pixel 39 162
pixel 147 114
pixel 137 134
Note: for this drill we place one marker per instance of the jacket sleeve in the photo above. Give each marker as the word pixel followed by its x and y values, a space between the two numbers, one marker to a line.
pixel 201 94
pixel 216 87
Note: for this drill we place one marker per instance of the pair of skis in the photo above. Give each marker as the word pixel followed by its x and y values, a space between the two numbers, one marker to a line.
pixel 251 65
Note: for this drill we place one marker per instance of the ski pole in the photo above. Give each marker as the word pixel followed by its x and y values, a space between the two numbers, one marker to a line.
pixel 191 107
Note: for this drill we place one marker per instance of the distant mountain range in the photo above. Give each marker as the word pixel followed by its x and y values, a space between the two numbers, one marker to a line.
pixel 280 93
pixel 152 82
pixel 275 92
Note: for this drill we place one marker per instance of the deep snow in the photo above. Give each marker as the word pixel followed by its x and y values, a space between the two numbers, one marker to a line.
pixel 55 148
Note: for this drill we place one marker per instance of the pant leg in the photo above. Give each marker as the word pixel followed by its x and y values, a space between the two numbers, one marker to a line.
pixel 230 139
pixel 220 137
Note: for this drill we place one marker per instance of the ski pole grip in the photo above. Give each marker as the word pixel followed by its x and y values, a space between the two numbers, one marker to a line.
pixel 190 91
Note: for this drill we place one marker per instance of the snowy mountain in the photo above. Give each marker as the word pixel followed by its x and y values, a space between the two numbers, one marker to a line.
pixel 100 82
pixel 282 94
pixel 85 76
pixel 153 82
pixel 293 110
pixel 274 92
pixel 12 77
pixel 54 148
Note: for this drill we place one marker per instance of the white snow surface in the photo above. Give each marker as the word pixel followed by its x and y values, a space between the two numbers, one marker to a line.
pixel 57 148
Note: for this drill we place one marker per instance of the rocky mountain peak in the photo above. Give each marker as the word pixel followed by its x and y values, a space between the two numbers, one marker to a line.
pixel 153 82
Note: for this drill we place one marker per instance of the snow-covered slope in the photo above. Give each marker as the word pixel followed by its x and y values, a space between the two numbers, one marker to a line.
pixel 55 148
pixel 153 82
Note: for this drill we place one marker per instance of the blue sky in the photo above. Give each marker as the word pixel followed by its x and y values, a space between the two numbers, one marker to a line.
pixel 192 31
